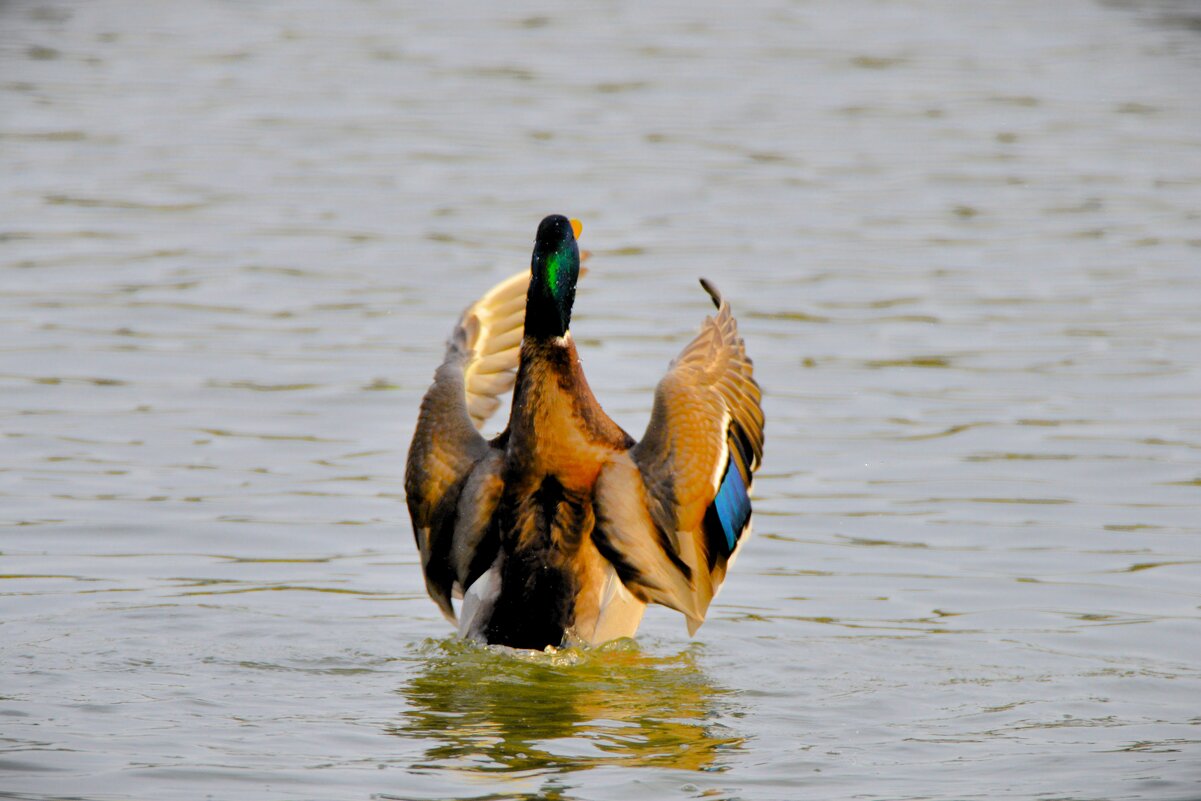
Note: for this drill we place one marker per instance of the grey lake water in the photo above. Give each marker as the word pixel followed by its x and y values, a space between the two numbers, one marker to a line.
pixel 963 240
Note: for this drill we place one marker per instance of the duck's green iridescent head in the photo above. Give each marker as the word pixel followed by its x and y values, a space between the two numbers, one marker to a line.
pixel 554 270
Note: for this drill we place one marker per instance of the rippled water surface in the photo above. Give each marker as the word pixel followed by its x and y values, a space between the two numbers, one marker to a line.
pixel 964 243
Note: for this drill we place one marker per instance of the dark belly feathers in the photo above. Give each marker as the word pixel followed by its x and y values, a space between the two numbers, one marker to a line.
pixel 540 534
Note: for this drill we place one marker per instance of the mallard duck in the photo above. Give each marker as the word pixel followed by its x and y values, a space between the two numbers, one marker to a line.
pixel 561 529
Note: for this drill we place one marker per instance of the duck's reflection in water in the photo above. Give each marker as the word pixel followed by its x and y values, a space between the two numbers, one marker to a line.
pixel 497 710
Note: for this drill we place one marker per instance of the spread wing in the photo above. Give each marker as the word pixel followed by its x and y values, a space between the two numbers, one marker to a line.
pixel 492 328
pixel 480 366
pixel 674 509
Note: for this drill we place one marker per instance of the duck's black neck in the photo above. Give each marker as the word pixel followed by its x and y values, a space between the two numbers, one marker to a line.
pixel 547 312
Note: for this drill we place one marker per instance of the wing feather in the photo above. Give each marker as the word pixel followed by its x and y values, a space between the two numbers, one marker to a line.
pixel 480 365
pixel 695 466
pixel 490 326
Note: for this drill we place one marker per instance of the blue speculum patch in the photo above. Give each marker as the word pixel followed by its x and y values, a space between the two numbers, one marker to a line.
pixel 733 505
